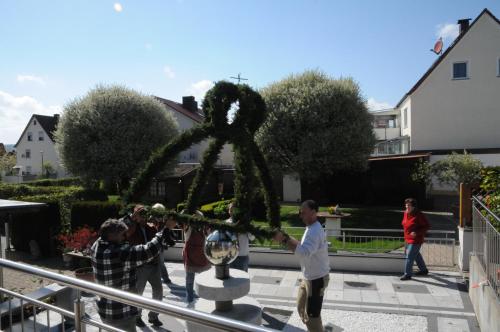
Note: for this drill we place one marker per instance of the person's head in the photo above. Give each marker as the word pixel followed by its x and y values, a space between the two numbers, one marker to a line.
pixel 140 215
pixel 113 230
pixel 158 207
pixel 308 212
pixel 411 205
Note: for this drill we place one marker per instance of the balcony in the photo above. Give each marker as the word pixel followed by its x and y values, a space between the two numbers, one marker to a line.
pixel 384 134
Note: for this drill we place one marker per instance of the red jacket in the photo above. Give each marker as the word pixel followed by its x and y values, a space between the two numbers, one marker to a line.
pixel 415 223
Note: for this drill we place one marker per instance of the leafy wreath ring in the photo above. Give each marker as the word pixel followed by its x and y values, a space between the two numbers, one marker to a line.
pixel 247 158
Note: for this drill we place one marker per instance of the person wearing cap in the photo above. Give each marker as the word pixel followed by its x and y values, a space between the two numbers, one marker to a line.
pixel 149 272
pixel 169 242
pixel 115 264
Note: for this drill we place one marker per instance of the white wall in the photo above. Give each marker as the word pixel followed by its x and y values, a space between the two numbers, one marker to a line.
pixel 291 188
pixel 195 153
pixel 457 114
pixel 406 105
pixel 35 146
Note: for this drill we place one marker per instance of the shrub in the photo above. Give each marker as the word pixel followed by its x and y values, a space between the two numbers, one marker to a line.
pixel 66 182
pixel 80 240
pixel 93 213
pixel 216 209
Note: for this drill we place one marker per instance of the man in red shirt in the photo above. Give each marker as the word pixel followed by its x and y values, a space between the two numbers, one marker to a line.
pixel 415 226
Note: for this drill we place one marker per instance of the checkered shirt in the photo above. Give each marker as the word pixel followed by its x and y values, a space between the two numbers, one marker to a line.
pixel 115 265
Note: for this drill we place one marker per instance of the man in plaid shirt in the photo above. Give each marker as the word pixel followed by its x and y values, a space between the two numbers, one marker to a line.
pixel 115 262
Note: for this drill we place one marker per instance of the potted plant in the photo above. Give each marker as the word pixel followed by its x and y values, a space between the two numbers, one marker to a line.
pixel 79 241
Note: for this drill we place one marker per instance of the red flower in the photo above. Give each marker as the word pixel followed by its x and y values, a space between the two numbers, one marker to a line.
pixel 80 240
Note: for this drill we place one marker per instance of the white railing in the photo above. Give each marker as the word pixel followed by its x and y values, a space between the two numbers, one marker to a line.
pixel 78 314
pixel 486 242
pixel 438 250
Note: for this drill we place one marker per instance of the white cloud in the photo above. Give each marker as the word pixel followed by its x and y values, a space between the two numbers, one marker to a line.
pixel 169 72
pixel 200 88
pixel 16 111
pixel 118 7
pixel 30 78
pixel 448 31
pixel 374 105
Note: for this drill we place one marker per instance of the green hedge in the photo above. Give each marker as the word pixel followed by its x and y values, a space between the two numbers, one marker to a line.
pixel 93 213
pixel 216 210
pixel 66 182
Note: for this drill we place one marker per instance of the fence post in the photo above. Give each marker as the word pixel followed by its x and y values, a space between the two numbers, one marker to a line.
pixel 79 309
pixel 465 205
pixel 343 240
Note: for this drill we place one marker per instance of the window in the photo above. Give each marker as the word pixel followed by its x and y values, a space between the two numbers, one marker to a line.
pixel 30 136
pixel 28 153
pixel 460 70
pixel 405 118
pixel 392 123
pixel 34 122
pixel 28 170
pixel 40 136
pixel 152 190
pixel 161 189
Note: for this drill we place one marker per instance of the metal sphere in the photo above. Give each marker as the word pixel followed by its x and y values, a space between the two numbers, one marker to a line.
pixel 221 247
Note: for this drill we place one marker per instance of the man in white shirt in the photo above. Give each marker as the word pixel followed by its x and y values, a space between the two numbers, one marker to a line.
pixel 312 251
pixel 241 262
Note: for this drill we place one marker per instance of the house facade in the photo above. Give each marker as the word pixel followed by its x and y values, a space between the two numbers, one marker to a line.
pixel 456 103
pixel 188 115
pixel 36 147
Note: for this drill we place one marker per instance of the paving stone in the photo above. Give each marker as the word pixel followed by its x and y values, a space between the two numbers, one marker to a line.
pixel 359 285
pixel 266 280
pixel 370 296
pixel 446 324
pixel 409 288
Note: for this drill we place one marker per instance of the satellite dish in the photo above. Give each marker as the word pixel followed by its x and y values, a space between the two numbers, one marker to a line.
pixel 438 46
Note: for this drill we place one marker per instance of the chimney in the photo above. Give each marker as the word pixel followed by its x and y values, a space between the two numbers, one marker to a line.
pixel 464 24
pixel 189 103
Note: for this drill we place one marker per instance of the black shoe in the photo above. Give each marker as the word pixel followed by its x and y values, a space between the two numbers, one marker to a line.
pixel 139 322
pixel 155 321
pixel 405 277
pixel 422 273
pixel 167 281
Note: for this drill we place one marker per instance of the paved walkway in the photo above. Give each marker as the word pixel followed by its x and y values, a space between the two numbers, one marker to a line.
pixel 354 302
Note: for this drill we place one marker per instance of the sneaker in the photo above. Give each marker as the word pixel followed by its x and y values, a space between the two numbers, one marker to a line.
pixel 422 273
pixel 155 321
pixel 139 322
pixel 405 277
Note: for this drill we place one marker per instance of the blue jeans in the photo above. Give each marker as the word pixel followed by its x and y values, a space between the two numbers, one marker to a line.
pixel 413 255
pixel 190 286
pixel 240 263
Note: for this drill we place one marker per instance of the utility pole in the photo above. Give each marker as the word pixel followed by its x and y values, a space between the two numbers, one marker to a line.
pixel 239 78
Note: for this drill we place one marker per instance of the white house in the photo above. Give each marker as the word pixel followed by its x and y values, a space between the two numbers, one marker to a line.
pixel 387 129
pixel 188 115
pixel 455 105
pixel 36 146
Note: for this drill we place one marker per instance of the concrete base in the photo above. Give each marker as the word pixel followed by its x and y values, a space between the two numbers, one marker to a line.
pixel 333 226
pixel 210 288
pixel 483 298
pixel 245 309
pixel 465 238
pixel 385 263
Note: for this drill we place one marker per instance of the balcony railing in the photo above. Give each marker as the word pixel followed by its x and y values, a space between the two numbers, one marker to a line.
pixel 486 242
pixel 78 313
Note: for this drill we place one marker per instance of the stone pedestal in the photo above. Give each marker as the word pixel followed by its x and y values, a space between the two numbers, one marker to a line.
pixel 226 298
pixel 466 242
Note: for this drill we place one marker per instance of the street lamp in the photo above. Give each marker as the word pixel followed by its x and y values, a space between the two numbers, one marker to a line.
pixel 41 153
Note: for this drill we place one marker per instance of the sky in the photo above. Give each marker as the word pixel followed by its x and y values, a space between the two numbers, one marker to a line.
pixel 52 52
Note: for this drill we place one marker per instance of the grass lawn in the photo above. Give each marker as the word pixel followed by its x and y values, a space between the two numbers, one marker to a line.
pixel 361 217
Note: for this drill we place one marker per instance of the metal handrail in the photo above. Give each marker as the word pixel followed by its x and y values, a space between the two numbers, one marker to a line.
pixel 194 316
pixel 478 201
